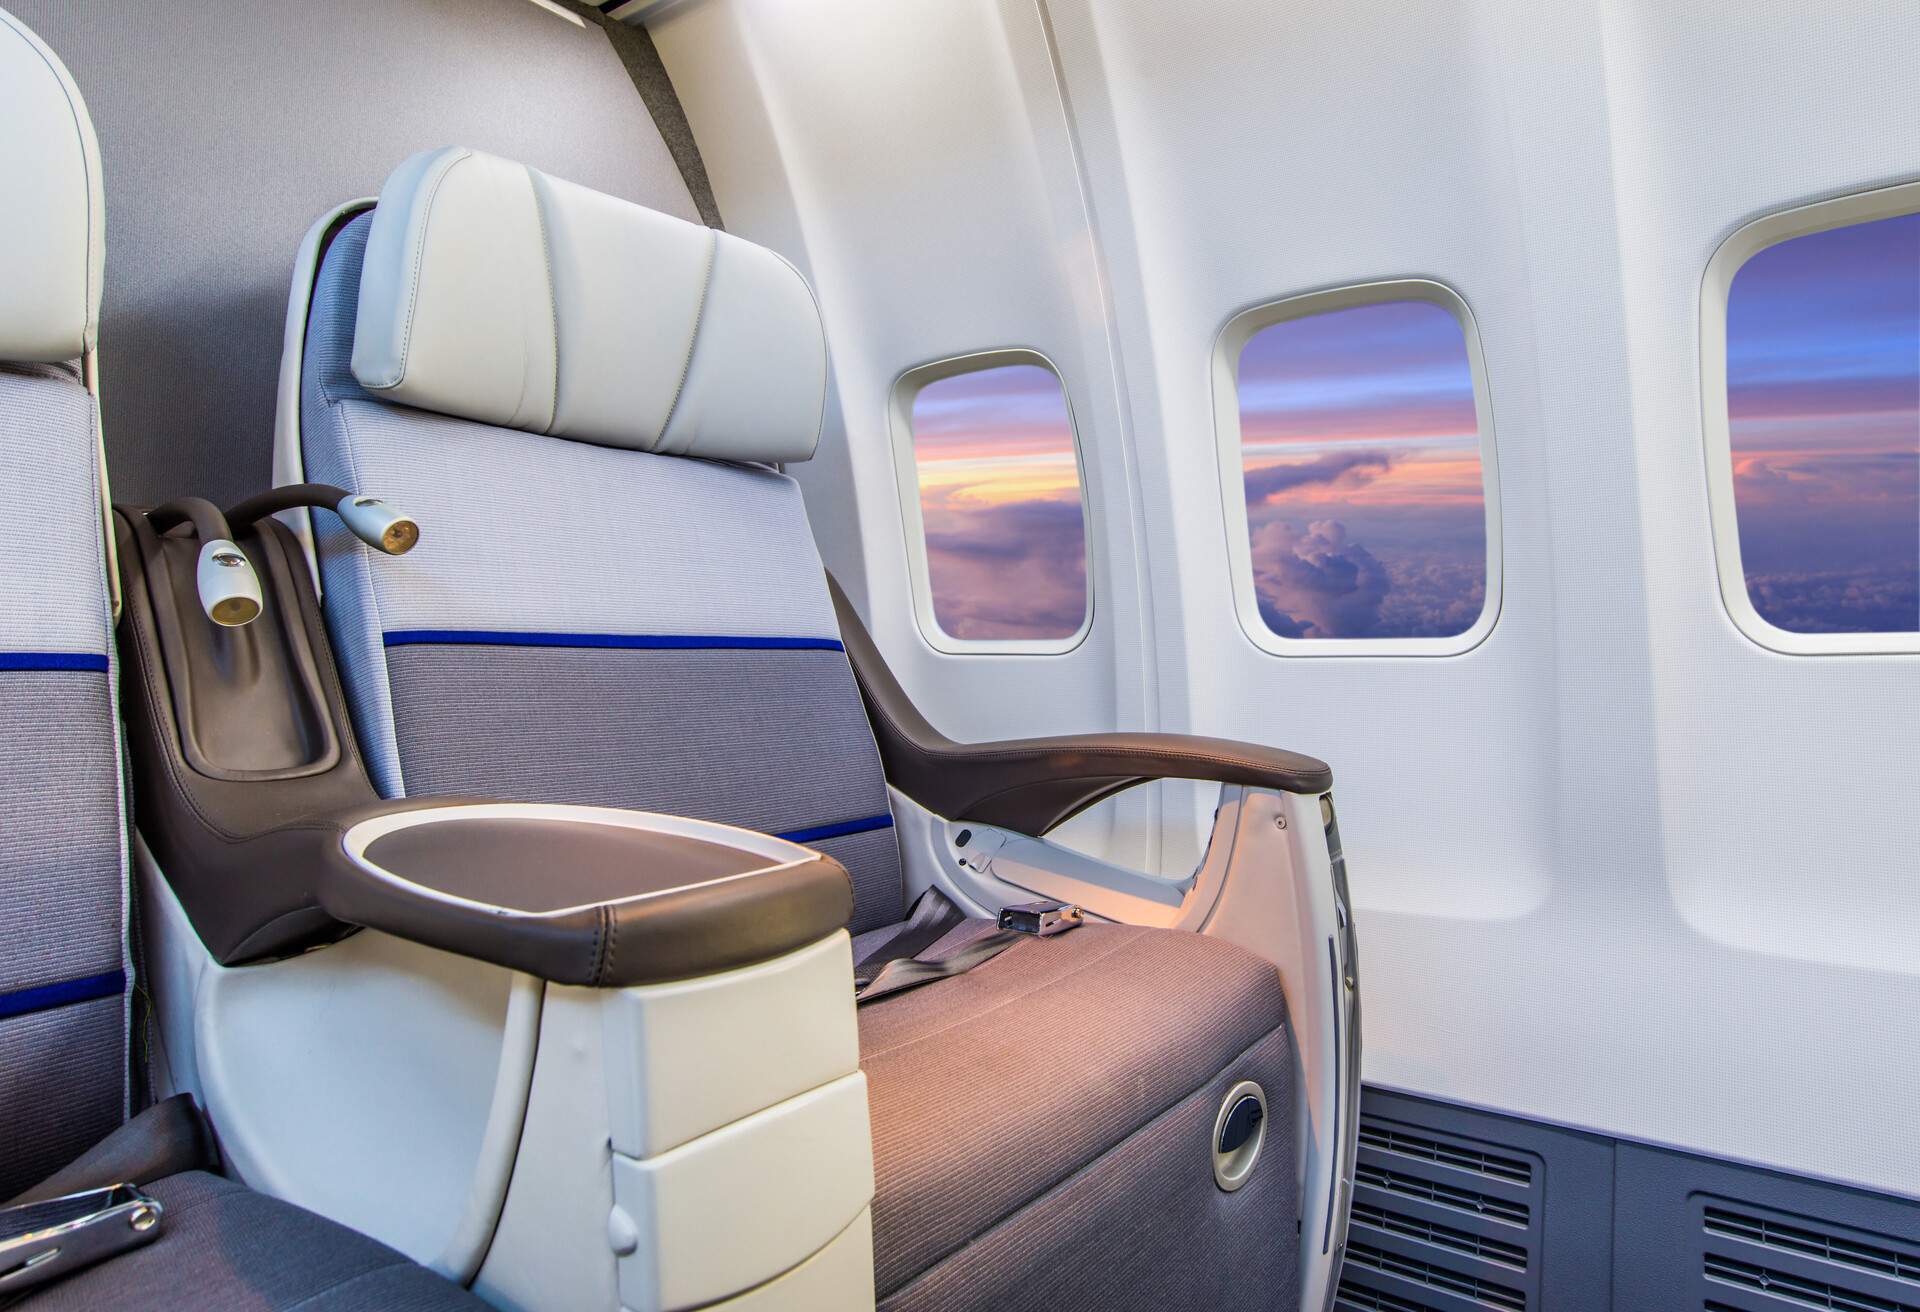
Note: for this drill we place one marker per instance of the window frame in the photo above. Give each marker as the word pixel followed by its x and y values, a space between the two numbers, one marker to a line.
pixel 1229 343
pixel 1716 286
pixel 906 388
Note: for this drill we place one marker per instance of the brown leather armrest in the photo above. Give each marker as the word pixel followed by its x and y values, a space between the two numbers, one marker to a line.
pixel 1033 784
pixel 575 899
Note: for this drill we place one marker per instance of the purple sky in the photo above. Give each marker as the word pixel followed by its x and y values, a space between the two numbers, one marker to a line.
pixel 1360 448
pixel 1823 391
pixel 1000 497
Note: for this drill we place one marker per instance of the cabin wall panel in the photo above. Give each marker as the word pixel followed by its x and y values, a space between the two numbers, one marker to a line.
pixel 1617 868
pixel 916 163
pixel 227 127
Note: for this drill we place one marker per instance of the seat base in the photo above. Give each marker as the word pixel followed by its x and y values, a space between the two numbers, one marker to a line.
pixel 1042 1128
pixel 225 1248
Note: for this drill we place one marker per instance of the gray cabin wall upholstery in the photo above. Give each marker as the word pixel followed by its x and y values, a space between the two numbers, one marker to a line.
pixel 227 126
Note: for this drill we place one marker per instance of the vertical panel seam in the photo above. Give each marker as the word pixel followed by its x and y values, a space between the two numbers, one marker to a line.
pixel 693 339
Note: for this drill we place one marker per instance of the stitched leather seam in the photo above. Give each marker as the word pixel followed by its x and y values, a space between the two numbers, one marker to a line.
pixel 613 944
pixel 693 339
pixel 553 293
pixel 419 254
pixel 826 362
pixel 596 963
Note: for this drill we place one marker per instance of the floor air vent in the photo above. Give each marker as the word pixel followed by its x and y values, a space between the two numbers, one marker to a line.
pixel 1756 1260
pixel 1462 1200
pixel 1395 1139
pixel 1441 1223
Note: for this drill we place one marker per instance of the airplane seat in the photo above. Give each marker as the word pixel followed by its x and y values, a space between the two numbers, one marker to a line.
pixel 63 984
pixel 617 600
pixel 67 976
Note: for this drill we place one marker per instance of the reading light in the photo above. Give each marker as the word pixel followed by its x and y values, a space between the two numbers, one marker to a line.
pixel 228 588
pixel 378 525
pixel 370 519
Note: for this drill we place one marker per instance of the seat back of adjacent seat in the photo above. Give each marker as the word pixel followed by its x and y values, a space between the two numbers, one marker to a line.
pixel 630 617
pixel 63 887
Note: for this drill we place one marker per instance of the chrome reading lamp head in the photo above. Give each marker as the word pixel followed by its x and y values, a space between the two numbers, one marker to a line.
pixel 378 524
pixel 229 588
pixel 224 578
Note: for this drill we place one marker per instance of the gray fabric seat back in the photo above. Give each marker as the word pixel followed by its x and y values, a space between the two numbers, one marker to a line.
pixel 589 620
pixel 63 891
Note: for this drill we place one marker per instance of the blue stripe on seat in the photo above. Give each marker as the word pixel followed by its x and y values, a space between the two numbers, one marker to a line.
pixel 638 641
pixel 840 830
pixel 53 660
pixel 68 991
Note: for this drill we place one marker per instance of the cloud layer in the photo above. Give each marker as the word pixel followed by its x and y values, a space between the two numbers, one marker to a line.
pixel 1823 389
pixel 1320 582
pixel 1007 569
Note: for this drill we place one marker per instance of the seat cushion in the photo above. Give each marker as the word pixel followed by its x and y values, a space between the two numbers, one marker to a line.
pixel 1047 1105
pixel 225 1248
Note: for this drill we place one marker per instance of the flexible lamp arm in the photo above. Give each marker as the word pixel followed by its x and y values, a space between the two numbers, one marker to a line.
pixel 370 519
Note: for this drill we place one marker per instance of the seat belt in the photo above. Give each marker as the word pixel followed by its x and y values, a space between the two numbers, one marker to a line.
pixel 897 964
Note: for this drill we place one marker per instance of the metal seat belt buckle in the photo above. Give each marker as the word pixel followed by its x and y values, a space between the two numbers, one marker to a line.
pixel 56 1237
pixel 1042 919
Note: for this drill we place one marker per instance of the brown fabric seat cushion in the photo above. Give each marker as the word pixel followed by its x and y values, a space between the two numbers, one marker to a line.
pixel 990 1090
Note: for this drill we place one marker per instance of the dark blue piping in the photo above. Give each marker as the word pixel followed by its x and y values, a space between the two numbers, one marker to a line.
pixel 840 830
pixel 20 1002
pixel 627 641
pixel 53 660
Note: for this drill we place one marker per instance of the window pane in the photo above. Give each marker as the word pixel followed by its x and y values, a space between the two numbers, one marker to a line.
pixel 1000 498
pixel 1823 408
pixel 1361 451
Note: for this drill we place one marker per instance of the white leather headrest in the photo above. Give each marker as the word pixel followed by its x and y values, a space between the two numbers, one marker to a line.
pixel 51 217
pixel 494 292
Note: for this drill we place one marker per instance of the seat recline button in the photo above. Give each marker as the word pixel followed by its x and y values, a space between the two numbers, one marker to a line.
pixel 1239 1131
pixel 1243 1118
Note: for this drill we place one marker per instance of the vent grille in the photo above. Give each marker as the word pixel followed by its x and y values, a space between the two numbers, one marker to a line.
pixel 1372 1300
pixel 1393 1139
pixel 1771 1233
pixel 1491 1250
pixel 1439 1277
pixel 1787 1262
pixel 1432 1191
pixel 1802 1291
pixel 1438 1218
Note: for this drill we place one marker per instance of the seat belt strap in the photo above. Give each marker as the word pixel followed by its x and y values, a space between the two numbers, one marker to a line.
pixel 897 964
pixel 910 972
pixel 928 921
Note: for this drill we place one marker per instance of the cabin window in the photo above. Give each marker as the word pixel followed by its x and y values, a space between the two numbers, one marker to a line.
pixel 1000 551
pixel 1814 425
pixel 1358 473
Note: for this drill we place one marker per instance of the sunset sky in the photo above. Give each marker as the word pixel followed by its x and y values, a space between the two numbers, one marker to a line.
pixel 1361 455
pixel 1823 390
pixel 1000 496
